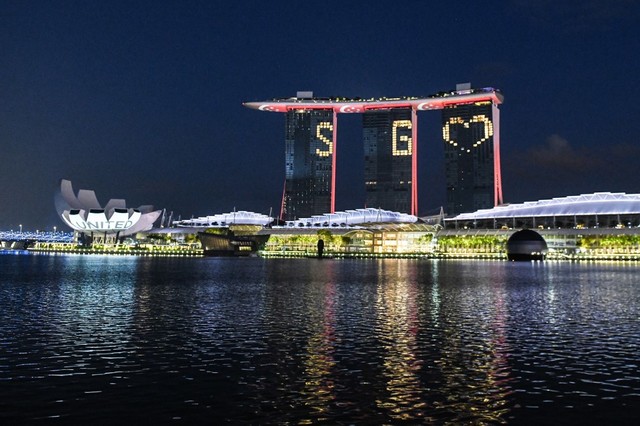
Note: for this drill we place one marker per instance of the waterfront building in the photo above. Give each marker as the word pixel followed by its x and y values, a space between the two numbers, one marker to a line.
pixel 471 135
pixel 224 220
pixel 600 224
pixel 581 212
pixel 347 218
pixel 84 213
pixel 361 232
pixel 309 163
pixel 311 141
pixel 388 159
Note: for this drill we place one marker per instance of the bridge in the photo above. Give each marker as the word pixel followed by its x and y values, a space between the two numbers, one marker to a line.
pixel 20 240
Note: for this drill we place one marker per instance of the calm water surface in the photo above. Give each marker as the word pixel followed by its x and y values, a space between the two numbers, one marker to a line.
pixel 87 339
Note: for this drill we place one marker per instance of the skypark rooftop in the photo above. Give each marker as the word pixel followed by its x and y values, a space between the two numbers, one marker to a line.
pixel 306 101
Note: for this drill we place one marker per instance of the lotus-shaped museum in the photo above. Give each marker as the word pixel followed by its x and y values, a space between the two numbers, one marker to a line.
pixel 83 213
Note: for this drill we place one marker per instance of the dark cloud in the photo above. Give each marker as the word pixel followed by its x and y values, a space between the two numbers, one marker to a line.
pixel 558 168
pixel 558 155
pixel 579 15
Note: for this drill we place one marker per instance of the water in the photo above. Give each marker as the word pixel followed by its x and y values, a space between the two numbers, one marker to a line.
pixel 89 339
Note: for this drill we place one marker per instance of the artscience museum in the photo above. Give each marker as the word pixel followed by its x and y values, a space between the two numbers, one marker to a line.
pixel 83 213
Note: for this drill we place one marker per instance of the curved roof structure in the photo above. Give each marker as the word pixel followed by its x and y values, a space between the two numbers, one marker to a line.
pixel 84 213
pixel 357 105
pixel 353 217
pixel 599 203
pixel 225 219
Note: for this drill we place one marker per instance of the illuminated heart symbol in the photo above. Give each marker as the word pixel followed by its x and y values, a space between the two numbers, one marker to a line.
pixel 455 121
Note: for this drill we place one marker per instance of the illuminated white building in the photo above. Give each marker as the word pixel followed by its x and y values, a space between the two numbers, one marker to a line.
pixel 350 218
pixel 224 220
pixel 84 214
pixel 597 210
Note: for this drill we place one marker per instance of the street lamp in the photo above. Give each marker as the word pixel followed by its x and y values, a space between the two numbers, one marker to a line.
pixel 54 229
pixel 20 228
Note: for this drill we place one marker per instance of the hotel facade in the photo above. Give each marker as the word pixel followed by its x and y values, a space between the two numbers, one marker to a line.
pixel 309 163
pixel 470 132
pixel 388 150
pixel 390 137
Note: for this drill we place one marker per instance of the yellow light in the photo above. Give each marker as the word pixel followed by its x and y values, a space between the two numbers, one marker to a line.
pixel 481 118
pixel 405 124
pixel 324 125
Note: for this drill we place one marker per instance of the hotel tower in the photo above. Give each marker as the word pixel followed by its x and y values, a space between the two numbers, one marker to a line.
pixel 309 154
pixel 388 155
pixel 470 132
pixel 470 129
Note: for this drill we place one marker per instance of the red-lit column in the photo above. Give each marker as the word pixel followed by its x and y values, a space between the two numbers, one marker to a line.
pixel 414 161
pixel 333 160
pixel 497 175
pixel 282 204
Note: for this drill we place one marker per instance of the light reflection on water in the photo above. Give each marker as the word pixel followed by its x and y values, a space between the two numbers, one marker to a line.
pixel 396 331
pixel 90 338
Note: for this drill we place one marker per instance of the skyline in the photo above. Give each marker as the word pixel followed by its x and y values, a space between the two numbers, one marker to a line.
pixel 144 101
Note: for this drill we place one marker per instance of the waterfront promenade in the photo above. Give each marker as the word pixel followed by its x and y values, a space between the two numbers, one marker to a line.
pixel 177 251
pixel 606 245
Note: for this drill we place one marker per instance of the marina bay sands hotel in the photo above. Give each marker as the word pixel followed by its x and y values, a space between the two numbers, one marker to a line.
pixel 470 131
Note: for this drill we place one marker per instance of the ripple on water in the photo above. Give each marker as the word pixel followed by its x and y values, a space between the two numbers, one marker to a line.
pixel 305 341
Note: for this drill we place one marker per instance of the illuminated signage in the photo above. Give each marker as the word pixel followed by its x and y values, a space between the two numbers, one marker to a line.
pixel 107 225
pixel 404 139
pixel 485 134
pixel 99 222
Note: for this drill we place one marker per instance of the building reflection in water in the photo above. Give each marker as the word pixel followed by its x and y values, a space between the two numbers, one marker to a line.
pixel 435 295
pixel 397 329
pixel 319 362
pixel 474 367
pixel 444 359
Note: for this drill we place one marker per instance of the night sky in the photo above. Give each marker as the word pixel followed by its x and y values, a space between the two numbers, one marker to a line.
pixel 143 100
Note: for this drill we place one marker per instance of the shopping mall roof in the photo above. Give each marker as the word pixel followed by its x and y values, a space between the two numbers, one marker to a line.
pixel 353 217
pixel 599 203
pixel 225 219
